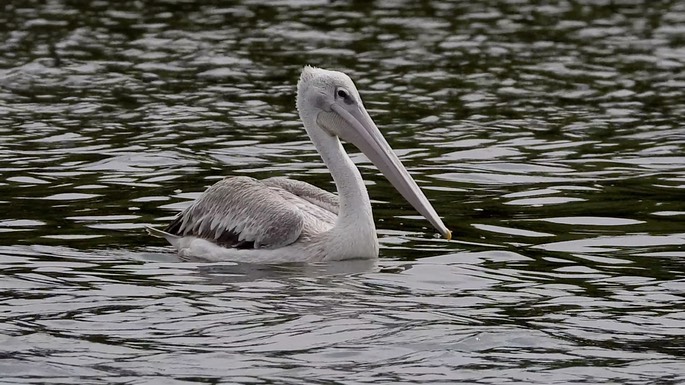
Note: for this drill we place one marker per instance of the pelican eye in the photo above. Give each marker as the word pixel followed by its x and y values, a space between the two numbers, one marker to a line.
pixel 344 95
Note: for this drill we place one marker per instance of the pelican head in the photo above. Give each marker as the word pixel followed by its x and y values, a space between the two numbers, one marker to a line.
pixel 329 101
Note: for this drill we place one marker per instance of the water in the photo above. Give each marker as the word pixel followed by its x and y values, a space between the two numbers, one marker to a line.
pixel 550 138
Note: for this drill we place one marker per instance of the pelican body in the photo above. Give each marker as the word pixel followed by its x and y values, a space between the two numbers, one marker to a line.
pixel 279 219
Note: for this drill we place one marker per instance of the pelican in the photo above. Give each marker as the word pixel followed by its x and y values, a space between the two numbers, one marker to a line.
pixel 282 220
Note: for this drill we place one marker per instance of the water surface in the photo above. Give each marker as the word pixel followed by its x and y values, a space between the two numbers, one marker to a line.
pixel 550 138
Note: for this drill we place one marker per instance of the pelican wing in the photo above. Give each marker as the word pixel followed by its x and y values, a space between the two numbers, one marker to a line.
pixel 314 195
pixel 241 212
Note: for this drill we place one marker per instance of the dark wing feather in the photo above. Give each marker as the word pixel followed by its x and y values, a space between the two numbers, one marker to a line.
pixel 241 212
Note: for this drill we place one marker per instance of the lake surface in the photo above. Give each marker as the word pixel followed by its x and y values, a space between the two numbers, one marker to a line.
pixel 550 137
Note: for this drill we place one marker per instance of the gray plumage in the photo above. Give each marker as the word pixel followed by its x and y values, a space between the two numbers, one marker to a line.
pixel 245 213
pixel 322 198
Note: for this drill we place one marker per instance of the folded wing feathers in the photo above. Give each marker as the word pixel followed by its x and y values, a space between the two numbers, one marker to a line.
pixel 240 212
pixel 306 191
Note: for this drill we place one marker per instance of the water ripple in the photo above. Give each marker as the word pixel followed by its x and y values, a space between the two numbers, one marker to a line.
pixel 549 136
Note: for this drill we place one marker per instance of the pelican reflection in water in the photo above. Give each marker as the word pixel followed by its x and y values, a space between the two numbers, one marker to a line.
pixel 279 219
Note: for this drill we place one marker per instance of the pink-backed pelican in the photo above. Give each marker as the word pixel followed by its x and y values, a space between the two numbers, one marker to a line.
pixel 279 219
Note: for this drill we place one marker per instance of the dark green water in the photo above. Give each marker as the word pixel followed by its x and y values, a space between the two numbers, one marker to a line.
pixel 550 136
